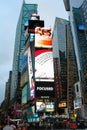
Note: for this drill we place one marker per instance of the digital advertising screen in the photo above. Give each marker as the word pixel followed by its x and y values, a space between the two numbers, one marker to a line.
pixel 45 106
pixel 33 24
pixel 81 27
pixel 49 106
pixel 40 106
pixel 44 70
pixel 44 89
pixel 31 78
pixel 43 37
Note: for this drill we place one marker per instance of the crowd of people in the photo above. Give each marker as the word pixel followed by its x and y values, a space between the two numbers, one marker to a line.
pixel 10 126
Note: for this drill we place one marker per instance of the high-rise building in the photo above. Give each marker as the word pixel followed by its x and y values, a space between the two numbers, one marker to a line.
pixel 65 67
pixel 60 61
pixel 72 71
pixel 78 20
pixel 25 14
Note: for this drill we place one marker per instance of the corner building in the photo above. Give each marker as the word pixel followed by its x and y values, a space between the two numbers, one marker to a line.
pixel 18 64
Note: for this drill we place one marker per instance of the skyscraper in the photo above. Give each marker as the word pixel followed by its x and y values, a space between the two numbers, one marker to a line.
pixel 60 61
pixel 78 20
pixel 25 14
pixel 65 67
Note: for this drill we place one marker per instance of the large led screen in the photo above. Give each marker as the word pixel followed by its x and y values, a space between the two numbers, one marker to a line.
pixel 43 37
pixel 44 89
pixel 44 106
pixel 34 23
pixel 31 79
pixel 40 106
pixel 49 106
pixel 44 65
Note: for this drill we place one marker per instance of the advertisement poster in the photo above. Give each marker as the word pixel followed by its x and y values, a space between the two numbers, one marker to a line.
pixel 43 37
pixel 44 65
pixel 31 79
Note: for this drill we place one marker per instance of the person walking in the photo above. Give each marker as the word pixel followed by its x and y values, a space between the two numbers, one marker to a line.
pixel 7 127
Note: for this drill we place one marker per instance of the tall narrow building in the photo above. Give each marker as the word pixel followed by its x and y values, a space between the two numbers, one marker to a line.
pixel 65 67
pixel 78 20
pixel 60 61
pixel 72 71
pixel 25 14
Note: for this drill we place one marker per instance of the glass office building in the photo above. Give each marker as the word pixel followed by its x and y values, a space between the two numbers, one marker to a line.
pixel 72 71
pixel 60 61
pixel 25 14
pixel 78 20
pixel 65 67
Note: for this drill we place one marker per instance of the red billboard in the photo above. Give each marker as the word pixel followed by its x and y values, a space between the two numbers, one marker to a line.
pixel 44 65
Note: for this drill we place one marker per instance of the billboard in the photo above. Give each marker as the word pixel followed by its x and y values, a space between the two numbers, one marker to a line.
pixel 49 106
pixel 77 103
pixel 31 78
pixel 44 65
pixel 44 70
pixel 81 27
pixel 34 23
pixel 45 106
pixel 43 37
pixel 44 89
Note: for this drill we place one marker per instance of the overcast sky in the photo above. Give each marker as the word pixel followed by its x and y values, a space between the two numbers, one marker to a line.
pixel 9 14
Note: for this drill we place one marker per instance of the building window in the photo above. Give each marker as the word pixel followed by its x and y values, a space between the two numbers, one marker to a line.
pixel 77 88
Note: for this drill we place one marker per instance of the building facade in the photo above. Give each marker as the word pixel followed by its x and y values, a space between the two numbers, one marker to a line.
pixel 60 62
pixel 78 20
pixel 25 14
pixel 65 66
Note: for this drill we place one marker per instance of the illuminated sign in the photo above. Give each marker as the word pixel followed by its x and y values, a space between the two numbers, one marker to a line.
pixel 44 70
pixel 31 79
pixel 49 106
pixel 45 106
pixel 34 23
pixel 81 27
pixel 77 103
pixel 35 17
pixel 43 61
pixel 43 37
pixel 44 89
pixel 62 104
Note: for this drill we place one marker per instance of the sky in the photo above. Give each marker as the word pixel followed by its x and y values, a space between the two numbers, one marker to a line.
pixel 9 14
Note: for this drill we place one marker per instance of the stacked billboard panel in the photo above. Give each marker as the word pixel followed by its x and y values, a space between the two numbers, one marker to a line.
pixel 44 72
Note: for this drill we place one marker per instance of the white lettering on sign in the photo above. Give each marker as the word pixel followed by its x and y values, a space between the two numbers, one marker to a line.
pixel 45 88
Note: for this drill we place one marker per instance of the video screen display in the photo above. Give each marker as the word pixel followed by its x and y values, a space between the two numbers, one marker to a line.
pixel 44 89
pixel 44 106
pixel 44 70
pixel 31 78
pixel 33 24
pixel 43 37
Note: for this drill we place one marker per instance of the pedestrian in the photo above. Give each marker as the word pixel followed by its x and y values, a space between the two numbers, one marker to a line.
pixel 73 125
pixel 7 126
